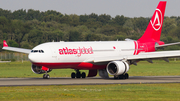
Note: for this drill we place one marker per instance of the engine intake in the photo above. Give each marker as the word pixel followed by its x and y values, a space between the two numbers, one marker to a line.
pixel 38 69
pixel 117 67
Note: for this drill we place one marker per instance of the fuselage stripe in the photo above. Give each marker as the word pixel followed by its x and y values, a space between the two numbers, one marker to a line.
pixel 135 50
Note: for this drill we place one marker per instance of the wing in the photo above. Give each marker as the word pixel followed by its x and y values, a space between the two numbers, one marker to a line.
pixel 141 56
pixel 21 50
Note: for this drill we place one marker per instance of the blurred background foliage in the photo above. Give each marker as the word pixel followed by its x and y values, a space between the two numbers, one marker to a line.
pixel 28 28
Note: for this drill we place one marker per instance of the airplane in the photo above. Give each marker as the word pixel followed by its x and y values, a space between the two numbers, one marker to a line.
pixel 105 57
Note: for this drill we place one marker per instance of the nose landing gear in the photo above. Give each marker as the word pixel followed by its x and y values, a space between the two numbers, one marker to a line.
pixel 46 76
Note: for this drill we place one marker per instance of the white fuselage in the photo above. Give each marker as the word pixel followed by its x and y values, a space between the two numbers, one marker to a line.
pixel 70 53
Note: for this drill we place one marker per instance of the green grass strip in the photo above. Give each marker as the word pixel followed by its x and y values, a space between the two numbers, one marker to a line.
pixel 158 68
pixel 117 92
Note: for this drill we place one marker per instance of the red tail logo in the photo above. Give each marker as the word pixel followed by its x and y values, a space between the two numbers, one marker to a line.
pixel 153 31
pixel 156 20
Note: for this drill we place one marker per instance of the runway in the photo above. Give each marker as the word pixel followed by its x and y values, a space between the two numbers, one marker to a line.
pixel 87 81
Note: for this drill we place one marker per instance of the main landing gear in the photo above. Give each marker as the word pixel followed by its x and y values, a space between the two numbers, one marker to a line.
pixel 123 76
pixel 78 74
pixel 46 76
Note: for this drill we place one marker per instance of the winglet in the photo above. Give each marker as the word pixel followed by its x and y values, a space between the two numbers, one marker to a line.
pixel 5 44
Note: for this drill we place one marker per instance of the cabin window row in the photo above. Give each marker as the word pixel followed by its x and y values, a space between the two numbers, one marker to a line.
pixel 37 51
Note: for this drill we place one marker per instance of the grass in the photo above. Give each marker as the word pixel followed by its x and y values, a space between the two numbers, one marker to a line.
pixel 117 92
pixel 19 69
pixel 158 68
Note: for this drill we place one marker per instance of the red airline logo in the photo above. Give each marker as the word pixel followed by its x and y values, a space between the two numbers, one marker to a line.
pixel 77 51
pixel 156 20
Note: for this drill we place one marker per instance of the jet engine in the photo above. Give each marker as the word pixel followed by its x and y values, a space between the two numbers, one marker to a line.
pixel 38 69
pixel 117 67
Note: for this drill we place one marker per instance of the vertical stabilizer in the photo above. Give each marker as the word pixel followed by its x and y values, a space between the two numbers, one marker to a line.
pixel 153 31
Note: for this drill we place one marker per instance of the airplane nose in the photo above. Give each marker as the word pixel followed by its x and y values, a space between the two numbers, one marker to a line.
pixel 32 57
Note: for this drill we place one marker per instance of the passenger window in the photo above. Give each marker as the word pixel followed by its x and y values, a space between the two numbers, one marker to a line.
pixel 35 51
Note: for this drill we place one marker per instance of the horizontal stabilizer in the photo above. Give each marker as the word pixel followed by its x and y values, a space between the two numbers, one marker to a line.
pixel 170 44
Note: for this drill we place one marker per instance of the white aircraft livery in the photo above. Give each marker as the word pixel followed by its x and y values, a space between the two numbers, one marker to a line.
pixel 103 57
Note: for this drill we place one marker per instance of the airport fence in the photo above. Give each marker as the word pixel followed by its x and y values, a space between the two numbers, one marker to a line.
pixel 12 56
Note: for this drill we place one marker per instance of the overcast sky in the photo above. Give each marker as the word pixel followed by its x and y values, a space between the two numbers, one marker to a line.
pixel 128 8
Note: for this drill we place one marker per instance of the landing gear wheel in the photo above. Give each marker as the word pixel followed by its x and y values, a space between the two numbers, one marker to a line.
pixel 46 76
pixel 73 75
pixel 126 76
pixel 121 76
pixel 78 75
pixel 116 77
pixel 83 75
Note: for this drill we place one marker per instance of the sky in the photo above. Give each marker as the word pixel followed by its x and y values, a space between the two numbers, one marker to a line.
pixel 128 8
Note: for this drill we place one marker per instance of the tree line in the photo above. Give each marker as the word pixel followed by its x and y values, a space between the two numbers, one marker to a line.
pixel 28 28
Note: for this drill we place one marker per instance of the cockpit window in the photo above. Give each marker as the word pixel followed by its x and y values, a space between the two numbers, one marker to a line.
pixel 37 51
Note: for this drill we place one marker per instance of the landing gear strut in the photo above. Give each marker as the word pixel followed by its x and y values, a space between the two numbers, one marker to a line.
pixel 123 76
pixel 46 76
pixel 78 74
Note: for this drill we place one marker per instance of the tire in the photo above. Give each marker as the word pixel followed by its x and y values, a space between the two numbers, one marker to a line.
pixel 126 76
pixel 116 77
pixel 44 76
pixel 121 77
pixel 78 75
pixel 83 75
pixel 47 76
pixel 73 75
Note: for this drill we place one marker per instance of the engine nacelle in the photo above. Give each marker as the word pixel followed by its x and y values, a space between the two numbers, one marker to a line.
pixel 38 69
pixel 117 67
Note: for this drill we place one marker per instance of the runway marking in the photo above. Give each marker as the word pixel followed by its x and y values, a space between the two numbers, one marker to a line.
pixel 87 81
